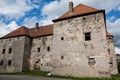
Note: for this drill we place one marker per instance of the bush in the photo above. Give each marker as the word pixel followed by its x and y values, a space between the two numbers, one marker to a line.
pixel 118 66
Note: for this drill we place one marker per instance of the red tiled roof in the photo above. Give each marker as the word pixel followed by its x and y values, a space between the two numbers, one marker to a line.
pixel 78 10
pixel 32 32
pixel 108 34
pixel 43 30
pixel 48 29
pixel 20 31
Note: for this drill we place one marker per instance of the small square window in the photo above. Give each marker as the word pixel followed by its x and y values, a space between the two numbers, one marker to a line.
pixel 62 38
pixel 10 50
pixel 83 18
pixel 62 57
pixel 87 36
pixel 1 63
pixel 48 48
pixel 9 62
pixel 91 61
pixel 3 51
pixel 38 49
pixel 109 51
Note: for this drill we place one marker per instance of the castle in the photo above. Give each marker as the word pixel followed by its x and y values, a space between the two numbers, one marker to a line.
pixel 77 44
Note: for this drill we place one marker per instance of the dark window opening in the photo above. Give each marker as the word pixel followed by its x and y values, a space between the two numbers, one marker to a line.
pixel 91 61
pixel 1 63
pixel 3 51
pixel 108 51
pixel 9 62
pixel 48 48
pixel 38 49
pixel 68 20
pixel 62 38
pixel 10 50
pixel 110 62
pixel 62 57
pixel 9 39
pixel 87 36
pixel 83 18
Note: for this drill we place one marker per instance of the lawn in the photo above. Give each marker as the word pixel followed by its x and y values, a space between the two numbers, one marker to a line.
pixel 44 74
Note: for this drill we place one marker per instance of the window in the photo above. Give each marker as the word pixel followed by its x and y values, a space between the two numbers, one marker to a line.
pixel 62 57
pixel 48 48
pixel 3 51
pixel 91 61
pixel 83 18
pixel 62 38
pixel 10 50
pixel 38 49
pixel 9 39
pixel 109 51
pixel 9 62
pixel 1 63
pixel 87 36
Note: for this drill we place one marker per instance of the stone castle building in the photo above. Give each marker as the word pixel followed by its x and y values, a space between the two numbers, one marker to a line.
pixel 77 44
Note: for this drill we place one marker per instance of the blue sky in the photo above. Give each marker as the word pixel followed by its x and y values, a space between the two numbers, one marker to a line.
pixel 15 13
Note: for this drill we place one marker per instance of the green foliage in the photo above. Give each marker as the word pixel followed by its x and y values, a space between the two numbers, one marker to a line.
pixel 118 66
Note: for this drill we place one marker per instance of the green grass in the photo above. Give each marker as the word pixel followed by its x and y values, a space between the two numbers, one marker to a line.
pixel 44 74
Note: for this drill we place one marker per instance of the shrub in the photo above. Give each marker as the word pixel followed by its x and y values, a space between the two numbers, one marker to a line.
pixel 118 64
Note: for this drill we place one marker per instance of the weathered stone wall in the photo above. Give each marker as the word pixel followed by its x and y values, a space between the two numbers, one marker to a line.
pixel 111 51
pixel 26 56
pixel 71 54
pixel 40 60
pixel 18 45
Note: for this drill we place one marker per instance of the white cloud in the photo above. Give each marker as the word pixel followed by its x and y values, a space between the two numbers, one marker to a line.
pixel 46 20
pixel 112 18
pixel 4 28
pixel 113 28
pixel 30 21
pixel 119 8
pixel 14 9
pixel 117 50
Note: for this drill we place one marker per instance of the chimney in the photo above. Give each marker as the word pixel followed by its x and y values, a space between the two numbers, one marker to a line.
pixel 36 26
pixel 70 8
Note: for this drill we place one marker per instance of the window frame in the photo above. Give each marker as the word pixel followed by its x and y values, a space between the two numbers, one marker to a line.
pixel 91 61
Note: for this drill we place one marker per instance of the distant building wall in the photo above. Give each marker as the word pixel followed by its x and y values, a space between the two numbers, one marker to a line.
pixel 111 51
pixel 118 57
pixel 12 61
pixel 72 54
